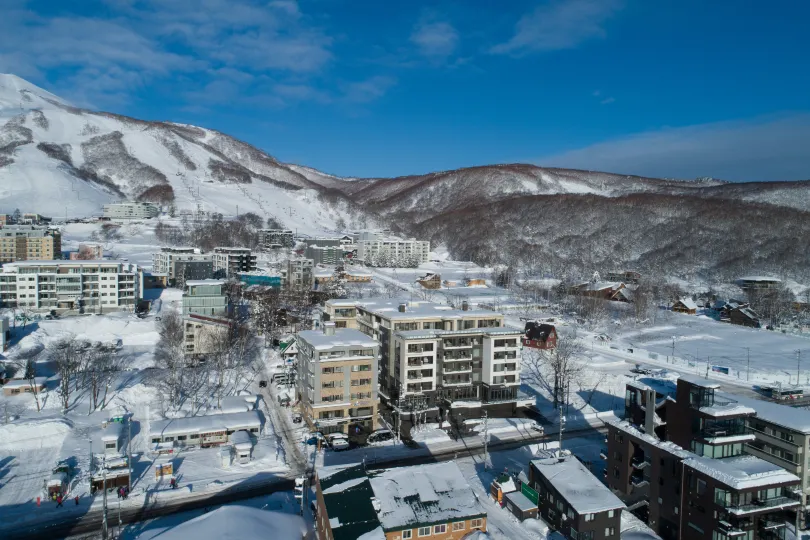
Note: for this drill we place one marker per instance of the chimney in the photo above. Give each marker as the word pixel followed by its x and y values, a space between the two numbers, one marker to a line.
pixel 329 328
pixel 649 416
pixel 465 306
pixel 402 308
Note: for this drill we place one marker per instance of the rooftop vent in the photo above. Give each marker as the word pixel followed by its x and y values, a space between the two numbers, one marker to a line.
pixel 329 328
pixel 465 306
pixel 402 308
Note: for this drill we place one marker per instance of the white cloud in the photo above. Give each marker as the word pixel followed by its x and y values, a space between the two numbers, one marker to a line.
pixel 607 101
pixel 435 39
pixel 770 148
pixel 368 89
pixel 559 24
pixel 134 42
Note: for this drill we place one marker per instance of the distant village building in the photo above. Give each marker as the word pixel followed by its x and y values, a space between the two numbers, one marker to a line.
pixel 353 274
pixel 229 261
pixel 298 272
pixel 275 238
pixel 324 254
pixel 625 276
pixel 685 305
pixel 759 283
pixel 5 334
pixel 261 277
pixel 88 252
pixel 29 243
pixel 131 210
pixel 371 245
pixel 71 285
pixel 433 501
pixel 430 280
pixel 601 289
pixel 539 335
pixel 204 297
pixel 181 264
pixel 341 312
pixel 24 386
pixel 203 431
pixel 203 335
pixel 744 316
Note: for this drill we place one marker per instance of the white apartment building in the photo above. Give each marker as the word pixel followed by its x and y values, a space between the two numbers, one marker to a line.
pixel 431 353
pixel 232 260
pixel 337 379
pixel 202 334
pixel 298 273
pixel 182 263
pixel 71 285
pixel 131 210
pixel 371 245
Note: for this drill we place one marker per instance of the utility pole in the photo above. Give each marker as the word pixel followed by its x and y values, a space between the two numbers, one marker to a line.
pixel 104 531
pixel 562 427
pixel 708 358
pixel 673 349
pixel 798 365
pixel 748 355
pixel 486 439
pixel 129 452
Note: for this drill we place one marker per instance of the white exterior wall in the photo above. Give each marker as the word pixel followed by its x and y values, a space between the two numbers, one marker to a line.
pixel 130 210
pixel 117 284
pixel 366 249
pixel 405 369
pixel 489 363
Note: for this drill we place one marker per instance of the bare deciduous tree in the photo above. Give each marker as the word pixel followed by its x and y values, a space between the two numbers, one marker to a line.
pixel 65 353
pixel 169 354
pixel 556 369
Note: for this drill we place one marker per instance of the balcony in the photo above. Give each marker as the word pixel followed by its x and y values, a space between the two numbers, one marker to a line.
pixel 456 381
pixel 457 357
pixel 418 362
pixel 458 368
pixel 639 462
pixel 457 344
pixel 784 501
pixel 731 530
pixel 639 481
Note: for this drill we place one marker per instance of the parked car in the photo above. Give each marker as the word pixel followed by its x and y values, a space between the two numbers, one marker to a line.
pixel 262 384
pixel 380 435
pixel 297 418
pixel 338 441
pixel 313 438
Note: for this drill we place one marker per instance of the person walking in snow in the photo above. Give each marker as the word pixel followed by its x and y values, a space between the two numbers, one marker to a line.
pixel 173 483
pixel 76 498
pixel 58 501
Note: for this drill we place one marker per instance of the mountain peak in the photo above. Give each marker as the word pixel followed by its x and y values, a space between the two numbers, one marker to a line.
pixel 17 93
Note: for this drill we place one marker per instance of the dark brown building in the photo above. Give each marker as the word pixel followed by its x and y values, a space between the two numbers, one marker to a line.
pixel 744 316
pixel 573 501
pixel 540 336
pixel 712 492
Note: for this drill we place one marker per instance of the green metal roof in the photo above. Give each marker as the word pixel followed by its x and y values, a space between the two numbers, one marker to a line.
pixel 351 505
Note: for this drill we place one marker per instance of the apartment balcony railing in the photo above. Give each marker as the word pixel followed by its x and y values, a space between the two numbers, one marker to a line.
pixel 639 462
pixel 764 504
pixel 456 368
pixel 447 344
pixel 416 362
pixel 457 357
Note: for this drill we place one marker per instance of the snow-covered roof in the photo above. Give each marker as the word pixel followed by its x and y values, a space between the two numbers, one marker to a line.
pixel 699 381
pixel 767 279
pixel 664 387
pixel 112 432
pixel 781 415
pixel 742 472
pixel 236 404
pixel 520 500
pixel 24 383
pixel 423 494
pixel 732 409
pixel 577 485
pixel 193 282
pixel 343 337
pixel 206 424
pixel 241 440
pixel 667 446
pixel 688 303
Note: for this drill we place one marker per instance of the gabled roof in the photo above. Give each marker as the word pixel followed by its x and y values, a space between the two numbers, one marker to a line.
pixel 347 496
pixel 577 485
pixel 688 303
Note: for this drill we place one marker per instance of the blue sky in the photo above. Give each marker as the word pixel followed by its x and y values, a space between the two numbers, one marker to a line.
pixel 667 88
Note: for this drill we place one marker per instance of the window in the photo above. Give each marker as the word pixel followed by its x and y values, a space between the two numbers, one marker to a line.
pixel 476 523
pixel 610 531
pixel 615 472
pixel 362 367
pixel 588 517
pixel 459 526
pixel 701 487
pixel 611 513
pixel 423 531
pixel 110 445
pixel 407 534
pixel 439 529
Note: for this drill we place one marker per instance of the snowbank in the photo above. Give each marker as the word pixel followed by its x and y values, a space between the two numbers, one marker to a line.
pixel 237 523
pixel 31 434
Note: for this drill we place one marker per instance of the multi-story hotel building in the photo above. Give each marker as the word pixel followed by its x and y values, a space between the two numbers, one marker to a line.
pixel 229 261
pixel 337 379
pixel 431 354
pixel 372 244
pixel 686 469
pixel 29 243
pixel 71 285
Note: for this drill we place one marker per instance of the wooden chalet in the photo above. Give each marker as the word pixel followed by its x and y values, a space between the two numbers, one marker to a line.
pixel 685 305
pixel 430 281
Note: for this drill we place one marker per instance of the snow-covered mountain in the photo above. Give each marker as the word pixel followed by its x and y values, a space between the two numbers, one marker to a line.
pixel 61 160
